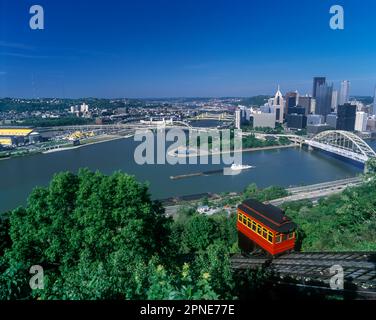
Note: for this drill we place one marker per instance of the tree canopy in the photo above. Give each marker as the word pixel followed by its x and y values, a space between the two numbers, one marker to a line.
pixel 102 237
pixel 88 229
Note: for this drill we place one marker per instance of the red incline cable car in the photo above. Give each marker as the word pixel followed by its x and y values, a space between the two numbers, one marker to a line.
pixel 266 226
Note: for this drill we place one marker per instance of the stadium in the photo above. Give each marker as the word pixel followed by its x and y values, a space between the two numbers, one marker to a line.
pixel 10 136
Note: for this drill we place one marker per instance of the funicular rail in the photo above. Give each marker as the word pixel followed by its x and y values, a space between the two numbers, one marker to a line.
pixel 359 268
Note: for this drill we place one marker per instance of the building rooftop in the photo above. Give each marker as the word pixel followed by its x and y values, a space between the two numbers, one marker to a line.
pixel 15 131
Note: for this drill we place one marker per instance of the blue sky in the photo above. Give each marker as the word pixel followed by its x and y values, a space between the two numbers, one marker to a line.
pixel 160 48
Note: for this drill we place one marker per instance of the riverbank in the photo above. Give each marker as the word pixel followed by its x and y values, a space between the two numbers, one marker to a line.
pixel 67 147
pixel 86 143
pixel 311 192
pixel 195 153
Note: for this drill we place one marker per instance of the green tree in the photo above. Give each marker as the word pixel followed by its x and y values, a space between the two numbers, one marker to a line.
pixel 198 233
pixel 267 194
pixel 183 286
pixel 190 288
pixel 370 168
pixel 88 228
pixel 5 241
pixel 216 262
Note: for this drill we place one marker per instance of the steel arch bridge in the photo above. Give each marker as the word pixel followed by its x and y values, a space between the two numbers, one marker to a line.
pixel 343 143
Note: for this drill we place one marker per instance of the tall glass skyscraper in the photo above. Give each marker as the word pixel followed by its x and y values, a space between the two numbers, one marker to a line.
pixel 324 94
pixel 344 94
pixel 317 81
pixel 374 103
pixel 346 117
pixel 291 99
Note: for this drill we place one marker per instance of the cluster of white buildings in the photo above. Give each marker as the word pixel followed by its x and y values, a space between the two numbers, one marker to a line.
pixel 365 121
pixel 266 116
pixel 162 122
pixel 79 110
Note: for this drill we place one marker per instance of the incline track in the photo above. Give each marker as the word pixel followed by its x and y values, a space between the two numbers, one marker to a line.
pixel 359 268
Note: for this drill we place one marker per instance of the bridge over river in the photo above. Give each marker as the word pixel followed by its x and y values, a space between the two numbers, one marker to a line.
pixel 342 144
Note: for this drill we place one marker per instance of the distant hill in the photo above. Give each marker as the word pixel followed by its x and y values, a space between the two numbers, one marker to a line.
pixel 364 99
pixel 254 101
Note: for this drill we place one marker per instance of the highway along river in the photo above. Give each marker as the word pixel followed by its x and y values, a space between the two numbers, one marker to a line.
pixel 284 167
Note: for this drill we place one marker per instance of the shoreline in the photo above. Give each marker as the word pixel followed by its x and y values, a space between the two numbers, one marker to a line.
pixel 84 145
pixel 331 187
pixel 113 138
pixel 172 153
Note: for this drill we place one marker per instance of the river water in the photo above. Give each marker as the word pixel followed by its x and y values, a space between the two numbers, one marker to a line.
pixel 284 167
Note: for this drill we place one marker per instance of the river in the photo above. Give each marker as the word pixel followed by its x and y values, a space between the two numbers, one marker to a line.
pixel 284 167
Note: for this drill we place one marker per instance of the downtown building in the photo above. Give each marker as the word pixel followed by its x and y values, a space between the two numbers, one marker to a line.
pixel 317 81
pixel 308 103
pixel 371 124
pixel 361 121
pixel 335 100
pixel 296 118
pixel 324 95
pixel 292 100
pixel 238 119
pixel 278 106
pixel 264 120
pixel 374 103
pixel 315 119
pixel 344 93
pixel 332 120
pixel 275 105
pixel 296 121
pixel 346 117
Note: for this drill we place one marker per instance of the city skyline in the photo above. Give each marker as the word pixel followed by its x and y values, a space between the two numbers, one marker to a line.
pixel 211 49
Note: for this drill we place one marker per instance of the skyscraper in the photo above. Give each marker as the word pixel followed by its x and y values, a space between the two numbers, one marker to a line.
pixel 324 93
pixel 361 121
pixel 306 103
pixel 335 100
pixel 344 93
pixel 317 81
pixel 374 103
pixel 331 120
pixel 291 100
pixel 279 106
pixel 296 121
pixel 238 119
pixel 346 117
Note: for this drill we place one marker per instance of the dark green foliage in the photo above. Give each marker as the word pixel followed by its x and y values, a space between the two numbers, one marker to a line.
pixel 344 222
pixel 267 194
pixel 252 142
pixel 182 286
pixel 101 237
pixel 215 261
pixel 371 168
pixel 254 101
pixel 277 130
pixel 92 229
pixel 4 233
pixel 198 233
pixel 8 104
pixel 253 284
pixel 65 121
pixel 283 141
